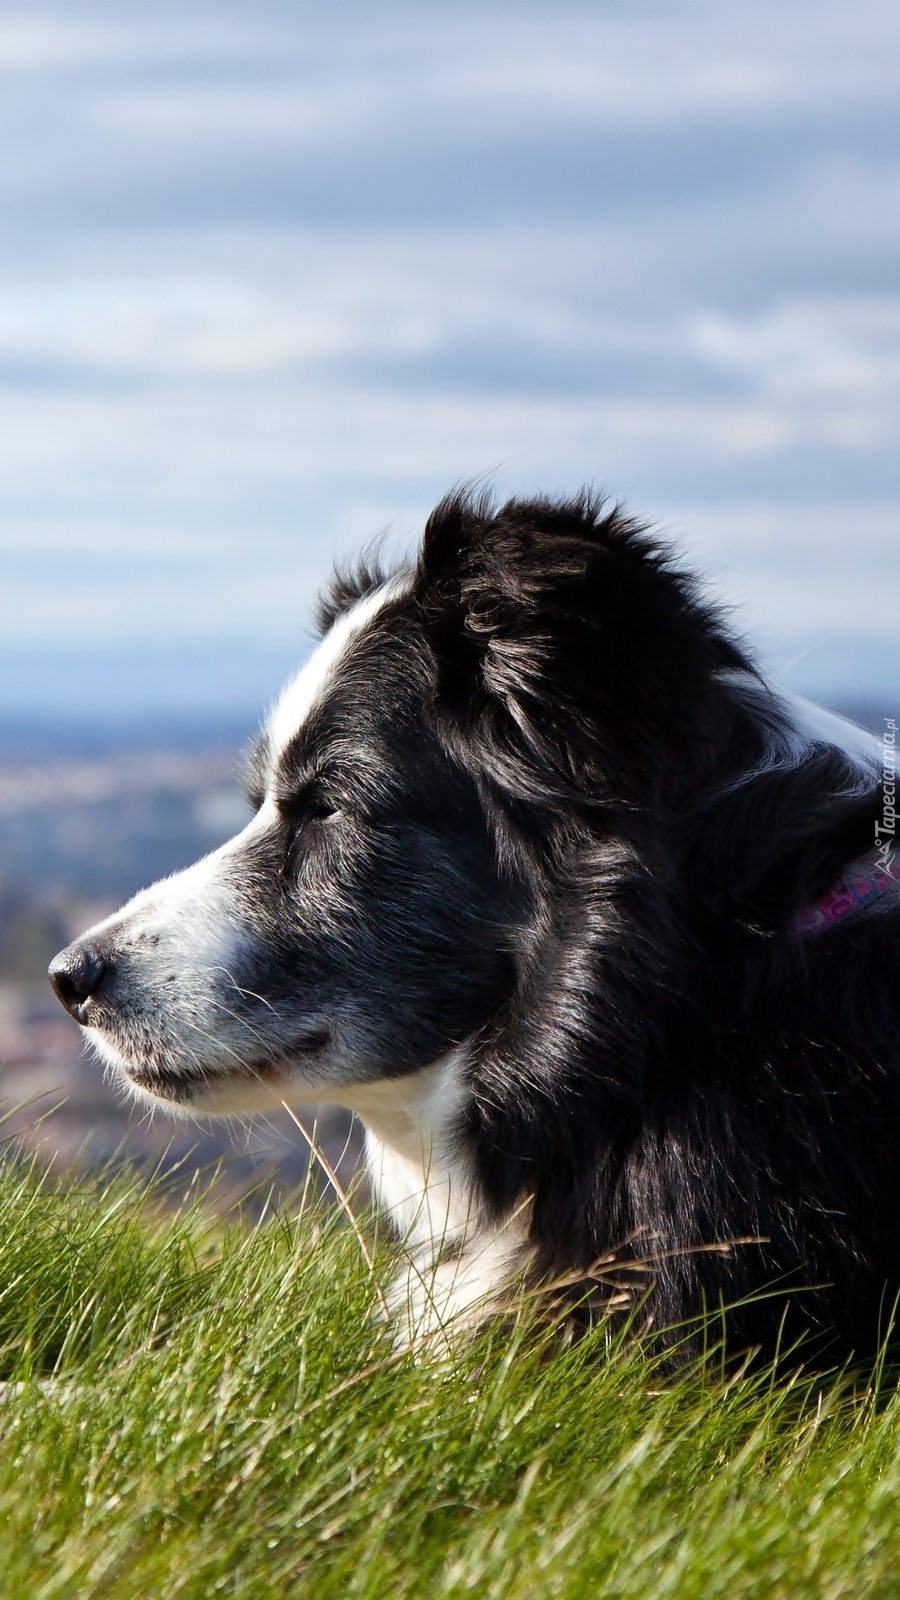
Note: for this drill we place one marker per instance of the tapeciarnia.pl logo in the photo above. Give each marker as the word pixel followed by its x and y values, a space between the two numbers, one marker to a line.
pixel 885 830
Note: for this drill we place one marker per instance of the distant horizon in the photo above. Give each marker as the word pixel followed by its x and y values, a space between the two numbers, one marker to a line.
pixel 42 733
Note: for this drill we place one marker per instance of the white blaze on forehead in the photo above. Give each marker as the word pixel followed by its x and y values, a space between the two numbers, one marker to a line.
pixel 301 694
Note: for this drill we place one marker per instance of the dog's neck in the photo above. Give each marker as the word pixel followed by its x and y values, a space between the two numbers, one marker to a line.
pixel 414 1166
pixel 457 1261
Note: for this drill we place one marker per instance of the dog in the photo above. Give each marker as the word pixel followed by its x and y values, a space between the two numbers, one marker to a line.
pixel 586 922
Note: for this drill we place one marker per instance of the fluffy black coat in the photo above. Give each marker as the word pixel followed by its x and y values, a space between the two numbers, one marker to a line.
pixel 674 1069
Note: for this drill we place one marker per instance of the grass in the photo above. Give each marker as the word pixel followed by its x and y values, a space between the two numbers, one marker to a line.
pixel 194 1409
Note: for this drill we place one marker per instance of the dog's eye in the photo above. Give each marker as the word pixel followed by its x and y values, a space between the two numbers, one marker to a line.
pixel 310 806
pixel 318 810
pixel 304 814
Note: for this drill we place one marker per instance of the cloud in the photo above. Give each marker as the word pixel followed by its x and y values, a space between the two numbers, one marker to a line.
pixel 811 349
pixel 277 278
pixel 476 70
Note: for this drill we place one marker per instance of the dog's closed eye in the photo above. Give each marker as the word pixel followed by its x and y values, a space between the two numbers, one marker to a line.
pixel 311 805
pixel 304 813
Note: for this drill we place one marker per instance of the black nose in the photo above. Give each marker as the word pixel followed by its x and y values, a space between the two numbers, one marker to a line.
pixel 76 973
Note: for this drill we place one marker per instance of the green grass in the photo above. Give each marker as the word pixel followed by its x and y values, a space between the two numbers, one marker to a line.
pixel 196 1409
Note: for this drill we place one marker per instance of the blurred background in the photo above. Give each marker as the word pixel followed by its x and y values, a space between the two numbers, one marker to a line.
pixel 274 277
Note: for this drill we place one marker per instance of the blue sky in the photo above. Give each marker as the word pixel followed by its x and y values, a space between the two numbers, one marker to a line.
pixel 274 276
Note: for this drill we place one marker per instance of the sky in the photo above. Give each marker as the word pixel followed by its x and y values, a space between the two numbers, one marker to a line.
pixel 273 277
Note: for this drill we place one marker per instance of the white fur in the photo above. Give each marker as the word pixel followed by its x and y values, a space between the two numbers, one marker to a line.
pixel 457 1259
pixel 827 727
pixel 808 723
pixel 297 699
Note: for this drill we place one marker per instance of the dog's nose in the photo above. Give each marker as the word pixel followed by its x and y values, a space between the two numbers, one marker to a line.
pixel 76 973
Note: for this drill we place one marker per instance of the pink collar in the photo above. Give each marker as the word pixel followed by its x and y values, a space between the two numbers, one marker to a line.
pixel 864 881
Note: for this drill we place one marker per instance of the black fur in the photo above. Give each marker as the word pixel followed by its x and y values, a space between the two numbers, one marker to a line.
pixel 349 584
pixel 673 1070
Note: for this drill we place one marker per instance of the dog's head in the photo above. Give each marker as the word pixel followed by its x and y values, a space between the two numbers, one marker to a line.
pixel 540 680
pixel 357 928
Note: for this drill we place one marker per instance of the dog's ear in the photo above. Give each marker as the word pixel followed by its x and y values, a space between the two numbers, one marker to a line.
pixel 774 843
pixel 561 630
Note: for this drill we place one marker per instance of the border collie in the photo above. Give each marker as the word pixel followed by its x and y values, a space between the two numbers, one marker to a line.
pixel 583 920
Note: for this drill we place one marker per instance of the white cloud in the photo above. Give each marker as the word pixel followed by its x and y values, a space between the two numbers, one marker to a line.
pixel 47 40
pixel 809 349
pixel 352 74
pixel 284 275
pixel 300 113
pixel 32 45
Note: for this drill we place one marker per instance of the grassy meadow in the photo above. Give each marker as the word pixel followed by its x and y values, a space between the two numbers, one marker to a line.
pixel 193 1408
